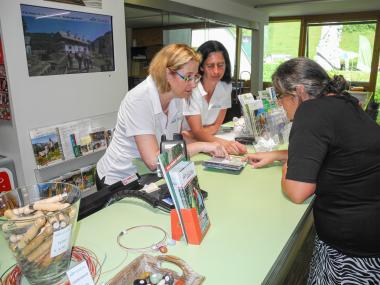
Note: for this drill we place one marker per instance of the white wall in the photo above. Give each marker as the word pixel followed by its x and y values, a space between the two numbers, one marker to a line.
pixel 48 100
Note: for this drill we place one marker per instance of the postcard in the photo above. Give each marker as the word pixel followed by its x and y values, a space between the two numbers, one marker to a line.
pixel 46 146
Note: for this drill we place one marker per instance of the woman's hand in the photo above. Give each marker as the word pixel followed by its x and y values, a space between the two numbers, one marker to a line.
pixel 261 159
pixel 234 147
pixel 215 149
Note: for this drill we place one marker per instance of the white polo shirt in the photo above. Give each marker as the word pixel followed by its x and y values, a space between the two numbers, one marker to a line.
pixel 220 99
pixel 140 113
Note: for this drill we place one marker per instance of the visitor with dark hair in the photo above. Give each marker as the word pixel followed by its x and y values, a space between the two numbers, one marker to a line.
pixel 334 153
pixel 206 109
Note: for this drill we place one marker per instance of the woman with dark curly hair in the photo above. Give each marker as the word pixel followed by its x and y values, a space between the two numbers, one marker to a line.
pixel 334 153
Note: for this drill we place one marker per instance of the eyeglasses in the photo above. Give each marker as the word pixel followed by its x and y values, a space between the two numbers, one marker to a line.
pixel 281 96
pixel 187 78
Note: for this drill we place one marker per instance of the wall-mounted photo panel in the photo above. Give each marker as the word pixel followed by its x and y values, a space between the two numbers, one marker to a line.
pixel 64 42
pixel 88 3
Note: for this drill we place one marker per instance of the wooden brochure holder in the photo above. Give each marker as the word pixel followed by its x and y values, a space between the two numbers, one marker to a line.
pixel 191 224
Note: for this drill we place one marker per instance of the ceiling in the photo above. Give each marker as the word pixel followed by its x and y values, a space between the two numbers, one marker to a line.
pixel 143 17
pixel 137 17
pixel 277 8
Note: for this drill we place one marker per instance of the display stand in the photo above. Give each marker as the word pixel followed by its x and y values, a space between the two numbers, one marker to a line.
pixel 191 223
pixel 68 152
pixel 189 219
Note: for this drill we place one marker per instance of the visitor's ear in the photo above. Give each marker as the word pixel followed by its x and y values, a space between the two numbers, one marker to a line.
pixel 301 93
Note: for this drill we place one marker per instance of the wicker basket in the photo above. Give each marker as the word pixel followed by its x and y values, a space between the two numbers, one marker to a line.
pixel 149 263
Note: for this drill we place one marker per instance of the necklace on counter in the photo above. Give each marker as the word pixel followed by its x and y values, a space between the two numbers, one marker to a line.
pixel 161 245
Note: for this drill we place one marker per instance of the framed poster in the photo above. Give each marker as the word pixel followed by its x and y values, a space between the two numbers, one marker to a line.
pixel 64 42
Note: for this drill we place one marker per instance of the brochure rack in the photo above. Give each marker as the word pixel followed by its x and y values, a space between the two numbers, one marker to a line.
pixel 69 151
pixel 191 223
pixel 265 120
pixel 189 219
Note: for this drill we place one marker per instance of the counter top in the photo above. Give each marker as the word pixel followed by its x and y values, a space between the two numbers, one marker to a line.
pixel 251 224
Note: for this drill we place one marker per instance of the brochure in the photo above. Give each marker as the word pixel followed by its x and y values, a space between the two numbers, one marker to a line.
pixel 46 146
pixel 250 107
pixel 88 176
pixel 69 134
pixel 108 135
pixel 167 161
pixel 83 178
pixel 98 140
pixel 73 177
pixel 186 185
pixel 182 181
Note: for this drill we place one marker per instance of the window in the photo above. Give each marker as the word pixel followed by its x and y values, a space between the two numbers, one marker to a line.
pixel 342 48
pixel 246 54
pixel 225 35
pixel 281 42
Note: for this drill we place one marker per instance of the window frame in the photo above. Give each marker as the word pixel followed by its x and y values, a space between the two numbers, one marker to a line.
pixel 339 18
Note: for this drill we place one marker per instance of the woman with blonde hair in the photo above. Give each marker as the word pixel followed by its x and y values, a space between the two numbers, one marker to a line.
pixel 152 109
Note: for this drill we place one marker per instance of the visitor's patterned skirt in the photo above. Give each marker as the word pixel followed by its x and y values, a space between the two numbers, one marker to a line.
pixel 329 267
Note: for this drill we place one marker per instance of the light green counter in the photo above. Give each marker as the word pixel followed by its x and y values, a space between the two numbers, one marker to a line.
pixel 252 233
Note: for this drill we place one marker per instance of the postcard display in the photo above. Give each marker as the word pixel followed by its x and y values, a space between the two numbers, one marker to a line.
pixel 190 218
pixel 5 113
pixel 265 120
pixel 68 141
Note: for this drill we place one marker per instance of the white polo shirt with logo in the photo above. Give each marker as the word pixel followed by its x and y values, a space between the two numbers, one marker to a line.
pixel 140 113
pixel 220 99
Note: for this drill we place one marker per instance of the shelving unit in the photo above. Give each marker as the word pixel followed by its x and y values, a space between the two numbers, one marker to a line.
pixel 69 140
pixel 146 42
